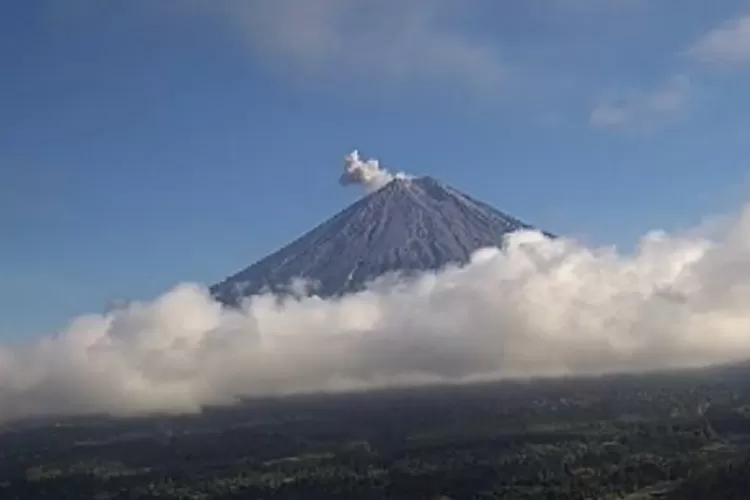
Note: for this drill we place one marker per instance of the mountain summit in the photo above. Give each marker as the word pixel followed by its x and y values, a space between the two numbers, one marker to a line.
pixel 410 224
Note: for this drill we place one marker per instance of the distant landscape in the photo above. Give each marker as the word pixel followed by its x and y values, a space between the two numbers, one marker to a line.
pixel 680 435
pixel 221 393
pixel 531 282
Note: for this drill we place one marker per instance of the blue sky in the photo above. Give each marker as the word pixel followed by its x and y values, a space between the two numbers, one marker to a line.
pixel 146 143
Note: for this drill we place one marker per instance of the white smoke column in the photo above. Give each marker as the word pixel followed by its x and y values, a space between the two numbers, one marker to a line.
pixel 538 307
pixel 367 173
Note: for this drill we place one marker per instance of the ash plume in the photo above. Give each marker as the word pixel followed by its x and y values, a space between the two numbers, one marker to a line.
pixel 539 307
pixel 367 173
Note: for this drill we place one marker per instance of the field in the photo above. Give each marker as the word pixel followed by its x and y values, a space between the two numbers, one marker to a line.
pixel 672 436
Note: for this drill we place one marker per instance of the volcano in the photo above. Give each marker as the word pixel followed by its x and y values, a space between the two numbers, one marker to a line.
pixel 408 225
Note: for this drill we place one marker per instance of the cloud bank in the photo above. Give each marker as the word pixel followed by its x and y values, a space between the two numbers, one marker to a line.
pixel 366 173
pixel 538 307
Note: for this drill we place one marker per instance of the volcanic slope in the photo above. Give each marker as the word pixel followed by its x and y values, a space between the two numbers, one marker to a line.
pixel 406 226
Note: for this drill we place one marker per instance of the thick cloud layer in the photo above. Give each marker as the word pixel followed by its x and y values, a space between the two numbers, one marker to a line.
pixel 540 307
pixel 367 173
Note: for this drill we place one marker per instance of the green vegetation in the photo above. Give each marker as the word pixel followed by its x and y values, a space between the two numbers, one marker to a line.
pixel 670 436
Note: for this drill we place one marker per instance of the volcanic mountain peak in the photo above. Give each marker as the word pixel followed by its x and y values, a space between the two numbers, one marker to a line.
pixel 408 225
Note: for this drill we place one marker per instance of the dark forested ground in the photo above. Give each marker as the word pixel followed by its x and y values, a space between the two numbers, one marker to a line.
pixel 669 436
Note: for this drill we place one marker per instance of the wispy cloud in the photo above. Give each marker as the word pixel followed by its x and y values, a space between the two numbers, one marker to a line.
pixel 386 41
pixel 727 45
pixel 600 6
pixel 643 110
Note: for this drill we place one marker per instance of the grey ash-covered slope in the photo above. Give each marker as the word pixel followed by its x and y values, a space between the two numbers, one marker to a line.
pixel 408 225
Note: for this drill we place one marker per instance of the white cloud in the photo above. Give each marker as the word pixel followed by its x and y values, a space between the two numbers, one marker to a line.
pixel 639 110
pixel 727 45
pixel 383 41
pixel 541 307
